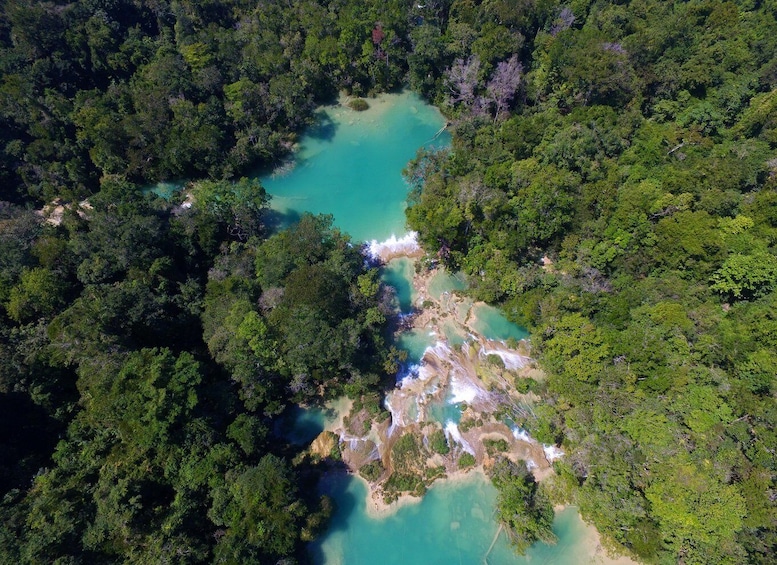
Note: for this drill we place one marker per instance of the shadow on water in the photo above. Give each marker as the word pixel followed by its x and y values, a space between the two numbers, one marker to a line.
pixel 275 220
pixel 335 485
pixel 403 292
pixel 324 129
pixel 398 275
pixel 301 425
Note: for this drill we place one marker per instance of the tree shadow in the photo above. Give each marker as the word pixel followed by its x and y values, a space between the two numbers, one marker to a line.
pixel 299 425
pixel 335 485
pixel 27 439
pixel 275 220
pixel 324 129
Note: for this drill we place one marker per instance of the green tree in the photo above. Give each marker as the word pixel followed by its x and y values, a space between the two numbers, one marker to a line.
pixel 239 207
pixel 746 276
pixel 697 513
pixel 40 292
pixel 522 505
pixel 260 511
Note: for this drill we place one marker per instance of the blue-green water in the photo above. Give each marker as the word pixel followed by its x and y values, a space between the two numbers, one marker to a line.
pixel 453 524
pixel 165 189
pixel 398 274
pixel 303 425
pixel 350 165
pixel 415 343
pixel 492 324
pixel 454 334
pixel 444 281
pixel 444 411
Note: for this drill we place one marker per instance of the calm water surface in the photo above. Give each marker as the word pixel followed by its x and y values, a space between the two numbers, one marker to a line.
pixel 350 165
pixel 453 524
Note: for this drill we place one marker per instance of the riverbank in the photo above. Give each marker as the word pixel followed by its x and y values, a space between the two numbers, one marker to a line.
pixel 472 382
pixel 379 509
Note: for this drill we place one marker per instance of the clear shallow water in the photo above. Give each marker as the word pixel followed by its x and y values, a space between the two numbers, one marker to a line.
pixel 452 524
pixel 415 343
pixel 445 411
pixel 165 189
pixel 398 274
pixel 444 282
pixel 350 165
pixel 492 324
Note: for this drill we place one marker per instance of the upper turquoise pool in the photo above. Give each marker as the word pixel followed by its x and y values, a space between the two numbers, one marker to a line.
pixel 350 165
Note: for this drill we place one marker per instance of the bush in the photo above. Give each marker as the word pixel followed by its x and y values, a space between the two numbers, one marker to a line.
pixel 494 446
pixel 524 385
pixel 405 482
pixel 358 104
pixel 439 443
pixel 372 470
pixel 466 460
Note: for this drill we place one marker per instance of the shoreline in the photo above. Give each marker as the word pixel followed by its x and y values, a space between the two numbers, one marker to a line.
pixel 591 542
pixel 377 509
pixel 589 546
pixel 588 543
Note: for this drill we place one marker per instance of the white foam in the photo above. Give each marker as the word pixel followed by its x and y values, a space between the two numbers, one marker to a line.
pixel 552 453
pixel 462 391
pixel 453 432
pixel 523 435
pixel 440 349
pixel 396 417
pixel 412 373
pixel 405 245
pixel 511 359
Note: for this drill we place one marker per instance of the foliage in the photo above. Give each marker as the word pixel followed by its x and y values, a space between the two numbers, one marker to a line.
pixel 522 506
pixel 630 144
pixel 240 207
pixel 495 446
pixel 359 104
pixel 623 208
pixel 466 460
pixel 372 471
pixel 133 333
pixel 438 442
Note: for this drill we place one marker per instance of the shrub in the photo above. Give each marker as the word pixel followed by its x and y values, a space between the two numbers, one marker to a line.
pixel 439 443
pixel 372 470
pixel 358 104
pixel 466 460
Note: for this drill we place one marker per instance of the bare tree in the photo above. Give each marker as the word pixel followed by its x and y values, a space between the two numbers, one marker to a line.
pixel 463 80
pixel 564 21
pixel 504 83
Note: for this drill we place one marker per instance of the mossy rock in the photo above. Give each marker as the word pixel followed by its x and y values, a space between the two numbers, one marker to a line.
pixel 359 104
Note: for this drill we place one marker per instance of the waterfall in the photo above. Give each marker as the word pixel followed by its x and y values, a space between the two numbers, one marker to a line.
pixel 405 245
pixel 452 430
pixel 511 359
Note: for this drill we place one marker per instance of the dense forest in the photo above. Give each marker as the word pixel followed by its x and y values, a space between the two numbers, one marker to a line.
pixel 612 183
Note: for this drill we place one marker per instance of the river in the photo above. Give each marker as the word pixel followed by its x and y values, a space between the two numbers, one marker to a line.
pixel 350 165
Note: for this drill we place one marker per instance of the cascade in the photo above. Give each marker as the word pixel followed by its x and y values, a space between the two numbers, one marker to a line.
pixel 353 171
